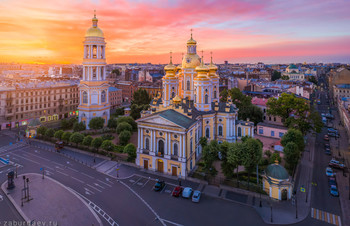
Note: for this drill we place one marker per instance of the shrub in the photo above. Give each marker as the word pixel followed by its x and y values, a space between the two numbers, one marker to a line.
pixel 76 138
pixel 41 130
pixel 97 142
pixel 123 126
pixel 79 126
pixel 124 137
pixel 107 137
pixel 107 145
pixel 96 123
pixel 87 140
pixel 129 120
pixel 58 134
pixel 118 148
pixel 130 149
pixel 112 123
pixel 66 136
pixel 50 133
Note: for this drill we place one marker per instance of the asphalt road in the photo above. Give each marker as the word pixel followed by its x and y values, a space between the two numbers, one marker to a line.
pixel 129 201
pixel 321 198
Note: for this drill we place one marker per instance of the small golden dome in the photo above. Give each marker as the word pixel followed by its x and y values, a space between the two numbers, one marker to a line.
pixel 176 99
pixel 191 61
pixel 170 68
pixel 191 41
pixel 94 31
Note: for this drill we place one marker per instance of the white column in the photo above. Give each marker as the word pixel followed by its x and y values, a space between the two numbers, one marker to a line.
pixel 97 51
pixel 139 137
pixel 180 147
pixel 169 144
pixel 249 132
pixel 234 127
pixel 151 142
pixel 141 144
pixel 154 141
pixel 184 146
pixel 166 143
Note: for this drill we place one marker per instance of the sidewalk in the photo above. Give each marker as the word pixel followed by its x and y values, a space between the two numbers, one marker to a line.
pixel 50 202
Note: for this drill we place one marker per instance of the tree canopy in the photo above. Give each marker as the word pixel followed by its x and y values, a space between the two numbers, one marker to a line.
pixel 58 134
pixel 124 137
pixel 66 136
pixel 76 138
pixel 41 130
pixel 112 123
pixel 50 132
pixel 107 145
pixel 291 155
pixel 97 142
pixel 295 136
pixel 140 97
pixel 79 126
pixel 275 75
pixel 96 123
pixel 130 149
pixel 87 140
pixel 123 126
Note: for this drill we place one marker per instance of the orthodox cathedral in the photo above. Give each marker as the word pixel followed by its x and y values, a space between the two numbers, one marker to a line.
pixel 188 108
pixel 93 87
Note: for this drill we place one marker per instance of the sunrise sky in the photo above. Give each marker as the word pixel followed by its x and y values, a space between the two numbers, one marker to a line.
pixel 271 31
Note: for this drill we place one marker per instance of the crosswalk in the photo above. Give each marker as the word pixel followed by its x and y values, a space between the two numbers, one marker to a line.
pixel 12 147
pixel 325 216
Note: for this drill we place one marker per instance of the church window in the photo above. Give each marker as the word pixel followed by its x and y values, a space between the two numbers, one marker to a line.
pixel 188 85
pixel 85 97
pixel 161 146
pixel 94 73
pixel 94 51
pixel 101 52
pixel 220 130
pixel 239 131
pixel 87 51
pixel 175 149
pixel 147 144
pixel 206 90
pixel 206 98
pixel 101 73
pixel 207 132
pixel 103 96
pixel 191 145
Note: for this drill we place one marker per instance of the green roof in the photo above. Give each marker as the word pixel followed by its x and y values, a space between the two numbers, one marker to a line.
pixel 292 66
pixel 177 118
pixel 277 171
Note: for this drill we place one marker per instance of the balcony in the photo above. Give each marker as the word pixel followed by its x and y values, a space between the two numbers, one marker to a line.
pixel 145 151
pixel 174 157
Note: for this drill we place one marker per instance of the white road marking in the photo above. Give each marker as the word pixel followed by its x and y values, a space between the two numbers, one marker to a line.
pixel 39 156
pixel 87 193
pixel 137 181
pixel 93 187
pixel 145 183
pixel 97 185
pixel 48 167
pixel 104 183
pixel 170 222
pixel 73 169
pixel 77 180
pixel 62 173
pixel 132 181
pixel 167 191
pixel 27 159
pixel 107 179
pixel 88 175
pixel 89 190
pixel 163 189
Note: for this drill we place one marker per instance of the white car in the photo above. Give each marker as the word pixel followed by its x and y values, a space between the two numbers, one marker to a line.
pixel 329 172
pixel 187 192
pixel 196 196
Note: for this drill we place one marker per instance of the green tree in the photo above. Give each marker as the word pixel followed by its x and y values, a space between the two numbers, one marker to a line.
pixel 294 111
pixel 87 141
pixel 275 156
pixel 235 156
pixel 223 95
pixel 129 120
pixel 76 138
pixel 41 130
pixel 107 145
pixel 140 97
pixel 275 75
pixel 96 123
pixel 66 136
pixel 291 155
pixel 58 134
pixel 79 126
pixel 203 141
pixel 209 155
pixel 226 167
pixel 123 126
pixel 71 122
pixel 112 123
pixel 119 111
pixel 124 137
pixel 285 77
pixel 64 124
pixel 130 149
pixel 251 112
pixel 135 111
pixel 50 133
pixel 239 99
pixel 312 79
pixel 295 136
pixel 252 155
pixel 96 143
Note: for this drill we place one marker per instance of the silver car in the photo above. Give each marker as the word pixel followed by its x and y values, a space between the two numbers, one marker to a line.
pixel 187 192
pixel 196 196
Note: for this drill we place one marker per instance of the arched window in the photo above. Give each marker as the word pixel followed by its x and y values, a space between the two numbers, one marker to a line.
pixel 188 85
pixel 103 96
pixel 101 74
pixel 239 131
pixel 161 146
pixel 175 149
pixel 215 94
pixel 207 132
pixel 94 73
pixel 94 51
pixel 206 98
pixel 147 143
pixel 85 97
pixel 220 130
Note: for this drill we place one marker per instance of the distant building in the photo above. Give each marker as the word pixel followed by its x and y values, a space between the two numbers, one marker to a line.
pixel 128 88
pixel 115 97
pixel 293 73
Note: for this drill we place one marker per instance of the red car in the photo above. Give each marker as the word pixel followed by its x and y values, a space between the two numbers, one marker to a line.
pixel 177 191
pixel 326 137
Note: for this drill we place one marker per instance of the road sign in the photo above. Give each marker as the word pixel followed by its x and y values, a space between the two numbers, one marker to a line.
pixel 302 189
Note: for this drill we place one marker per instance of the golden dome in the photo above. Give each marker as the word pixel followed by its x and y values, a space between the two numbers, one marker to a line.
pixel 94 31
pixel 177 99
pixel 170 68
pixel 191 61
pixel 191 41
pixel 202 70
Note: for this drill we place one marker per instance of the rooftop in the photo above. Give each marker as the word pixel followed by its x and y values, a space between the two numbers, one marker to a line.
pixel 177 118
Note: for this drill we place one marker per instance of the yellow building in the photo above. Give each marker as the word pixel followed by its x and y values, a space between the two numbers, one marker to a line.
pixel 94 99
pixel 276 182
pixel 188 108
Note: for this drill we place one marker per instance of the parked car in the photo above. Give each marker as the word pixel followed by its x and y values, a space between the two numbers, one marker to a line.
pixel 329 172
pixel 326 145
pixel 330 116
pixel 196 196
pixel 332 130
pixel 334 190
pixel 159 185
pixel 177 191
pixel 187 192
pixel 333 134
pixel 326 137
pixel 336 164
pixel 332 181
pixel 328 151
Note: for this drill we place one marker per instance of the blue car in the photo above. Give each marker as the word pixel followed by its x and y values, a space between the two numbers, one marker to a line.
pixel 334 191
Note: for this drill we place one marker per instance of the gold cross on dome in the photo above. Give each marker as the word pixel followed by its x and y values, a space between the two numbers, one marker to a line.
pixel 191 32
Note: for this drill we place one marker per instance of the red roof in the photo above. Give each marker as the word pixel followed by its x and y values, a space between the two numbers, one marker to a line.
pixel 259 101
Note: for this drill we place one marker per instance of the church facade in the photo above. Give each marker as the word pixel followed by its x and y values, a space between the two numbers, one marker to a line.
pixel 93 88
pixel 188 108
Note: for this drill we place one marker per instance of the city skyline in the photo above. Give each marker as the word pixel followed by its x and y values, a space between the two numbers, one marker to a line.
pixel 36 31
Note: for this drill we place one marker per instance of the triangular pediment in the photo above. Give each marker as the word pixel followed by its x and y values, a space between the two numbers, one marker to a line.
pixel 158 120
